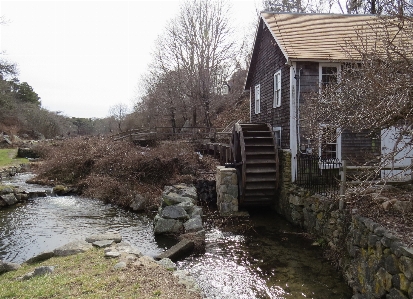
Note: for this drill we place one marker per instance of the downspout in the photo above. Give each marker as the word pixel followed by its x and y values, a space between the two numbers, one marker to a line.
pixel 298 109
pixel 293 121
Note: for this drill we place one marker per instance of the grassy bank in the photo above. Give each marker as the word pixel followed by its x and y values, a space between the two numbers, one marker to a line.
pixel 8 158
pixel 91 275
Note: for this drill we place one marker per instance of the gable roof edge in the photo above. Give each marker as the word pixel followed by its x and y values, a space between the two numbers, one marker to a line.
pixel 247 79
pixel 257 33
pixel 276 39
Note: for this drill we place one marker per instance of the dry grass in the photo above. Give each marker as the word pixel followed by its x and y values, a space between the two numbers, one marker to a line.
pixel 91 275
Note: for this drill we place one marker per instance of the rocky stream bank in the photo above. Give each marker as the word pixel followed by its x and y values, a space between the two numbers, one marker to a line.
pixel 126 258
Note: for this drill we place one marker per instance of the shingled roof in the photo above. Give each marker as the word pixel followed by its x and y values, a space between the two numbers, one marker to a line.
pixel 317 37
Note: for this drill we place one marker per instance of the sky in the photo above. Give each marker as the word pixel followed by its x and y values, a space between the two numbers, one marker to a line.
pixel 82 57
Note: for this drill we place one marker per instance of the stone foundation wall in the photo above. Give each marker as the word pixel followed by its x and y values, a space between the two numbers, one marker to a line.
pixel 227 190
pixel 374 262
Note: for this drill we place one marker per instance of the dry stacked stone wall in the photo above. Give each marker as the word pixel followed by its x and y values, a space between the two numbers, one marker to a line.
pixel 227 190
pixel 374 262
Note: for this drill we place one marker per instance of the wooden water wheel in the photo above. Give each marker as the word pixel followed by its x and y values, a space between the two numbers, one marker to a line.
pixel 256 160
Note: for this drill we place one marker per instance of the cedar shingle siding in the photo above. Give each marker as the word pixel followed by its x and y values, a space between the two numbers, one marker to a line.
pixel 359 148
pixel 268 60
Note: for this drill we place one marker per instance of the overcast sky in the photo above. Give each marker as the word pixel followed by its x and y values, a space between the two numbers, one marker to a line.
pixel 82 57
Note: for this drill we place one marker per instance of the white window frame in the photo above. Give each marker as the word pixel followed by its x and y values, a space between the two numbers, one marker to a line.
pixel 277 129
pixel 320 71
pixel 337 143
pixel 257 99
pixel 277 90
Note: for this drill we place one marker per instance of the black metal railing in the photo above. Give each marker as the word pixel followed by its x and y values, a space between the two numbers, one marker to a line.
pixel 319 176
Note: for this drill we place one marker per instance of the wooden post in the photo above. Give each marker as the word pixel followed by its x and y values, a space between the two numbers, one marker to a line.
pixel 343 184
pixel 215 150
pixel 221 156
pixel 227 154
pixel 411 170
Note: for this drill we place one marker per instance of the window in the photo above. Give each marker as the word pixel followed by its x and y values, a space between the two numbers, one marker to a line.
pixel 277 89
pixel 257 99
pixel 277 135
pixel 328 143
pixel 329 73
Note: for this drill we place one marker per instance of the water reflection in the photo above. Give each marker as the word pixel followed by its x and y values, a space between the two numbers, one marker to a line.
pixel 271 260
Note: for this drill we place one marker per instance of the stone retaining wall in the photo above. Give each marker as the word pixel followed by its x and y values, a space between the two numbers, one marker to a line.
pixel 374 262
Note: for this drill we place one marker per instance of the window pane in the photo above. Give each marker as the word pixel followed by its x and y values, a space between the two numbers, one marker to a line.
pixel 328 75
pixel 328 143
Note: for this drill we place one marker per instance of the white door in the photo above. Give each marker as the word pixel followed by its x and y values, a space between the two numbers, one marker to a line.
pixel 401 154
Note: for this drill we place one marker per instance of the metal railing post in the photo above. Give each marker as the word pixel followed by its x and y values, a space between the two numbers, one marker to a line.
pixel 342 184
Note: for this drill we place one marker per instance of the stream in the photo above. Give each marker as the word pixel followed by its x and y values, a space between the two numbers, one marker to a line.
pixel 261 257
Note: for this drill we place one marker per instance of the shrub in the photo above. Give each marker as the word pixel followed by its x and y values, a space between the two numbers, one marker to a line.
pixel 115 171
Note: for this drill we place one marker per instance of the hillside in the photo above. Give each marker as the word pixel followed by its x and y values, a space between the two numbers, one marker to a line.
pixel 240 111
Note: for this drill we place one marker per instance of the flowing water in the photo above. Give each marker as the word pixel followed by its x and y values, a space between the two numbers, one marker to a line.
pixel 268 259
pixel 48 222
pixel 265 257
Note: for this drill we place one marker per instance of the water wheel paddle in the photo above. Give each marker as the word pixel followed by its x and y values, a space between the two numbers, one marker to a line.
pixel 256 160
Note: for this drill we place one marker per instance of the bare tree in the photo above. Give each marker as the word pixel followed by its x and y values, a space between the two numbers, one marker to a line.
pixel 119 112
pixel 299 6
pixel 197 48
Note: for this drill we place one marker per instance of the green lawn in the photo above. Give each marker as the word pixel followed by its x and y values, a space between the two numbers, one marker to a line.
pixel 8 158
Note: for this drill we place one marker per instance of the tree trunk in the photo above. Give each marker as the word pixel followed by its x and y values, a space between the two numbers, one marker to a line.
pixel 194 117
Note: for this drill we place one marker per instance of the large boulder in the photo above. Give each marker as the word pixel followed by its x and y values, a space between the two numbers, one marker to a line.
pixel 186 191
pixel 10 199
pixel 188 206
pixel 26 152
pixel 7 267
pixel 139 203
pixel 173 198
pixel 193 224
pixel 45 255
pixel 168 226
pixel 5 190
pixel 182 249
pixel 102 237
pixel 72 248
pixel 126 248
pixel 174 212
pixel 195 211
